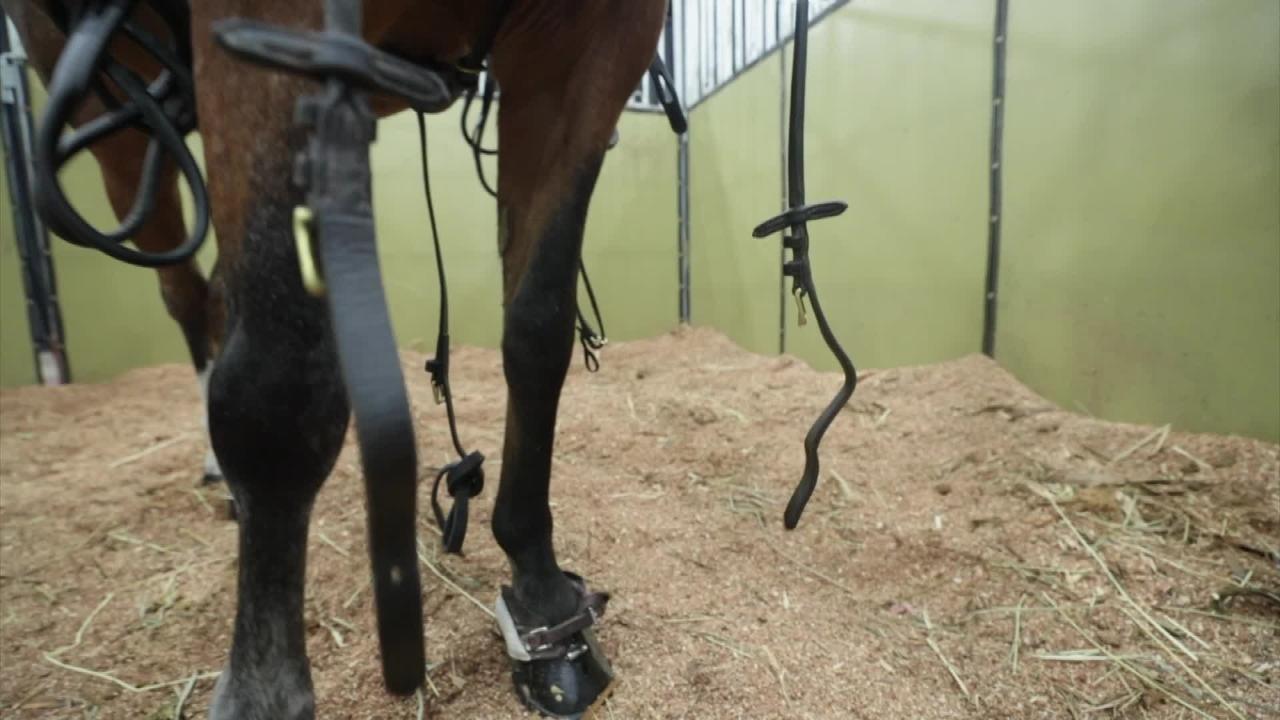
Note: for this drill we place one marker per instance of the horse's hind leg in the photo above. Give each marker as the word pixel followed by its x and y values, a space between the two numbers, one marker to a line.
pixel 183 288
pixel 185 293
pixel 559 107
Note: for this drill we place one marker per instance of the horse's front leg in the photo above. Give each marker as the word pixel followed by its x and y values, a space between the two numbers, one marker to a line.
pixel 563 90
pixel 277 410
pixel 537 346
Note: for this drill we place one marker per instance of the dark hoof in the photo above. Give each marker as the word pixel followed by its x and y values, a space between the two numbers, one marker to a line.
pixel 573 686
pixel 559 671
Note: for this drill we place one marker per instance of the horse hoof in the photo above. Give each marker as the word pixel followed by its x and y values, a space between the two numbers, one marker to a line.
pixel 573 686
pixel 558 671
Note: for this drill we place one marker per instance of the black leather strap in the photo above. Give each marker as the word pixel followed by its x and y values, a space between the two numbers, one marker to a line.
pixel 540 640
pixel 163 109
pixel 373 378
pixel 795 222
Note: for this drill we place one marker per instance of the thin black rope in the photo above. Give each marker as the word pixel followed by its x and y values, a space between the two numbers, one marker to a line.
pixel 475 138
pixel 463 478
pixel 591 340
pixel 441 379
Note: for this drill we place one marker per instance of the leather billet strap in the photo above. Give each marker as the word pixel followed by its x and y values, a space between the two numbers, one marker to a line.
pixel 545 639
pixel 527 642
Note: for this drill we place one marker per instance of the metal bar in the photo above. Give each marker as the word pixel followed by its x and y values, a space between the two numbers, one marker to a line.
pixel 683 219
pixel 783 88
pixel 715 42
pixel 39 282
pixel 682 170
pixel 735 29
pixel 992 288
pixel 795 145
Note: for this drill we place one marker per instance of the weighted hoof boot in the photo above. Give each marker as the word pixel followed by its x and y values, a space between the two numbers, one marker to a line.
pixel 559 670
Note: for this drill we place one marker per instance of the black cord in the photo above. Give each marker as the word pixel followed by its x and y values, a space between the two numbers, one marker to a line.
pixel 475 139
pixel 164 109
pixel 463 478
pixel 591 340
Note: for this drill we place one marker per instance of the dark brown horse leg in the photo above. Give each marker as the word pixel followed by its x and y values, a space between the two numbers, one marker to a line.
pixel 537 344
pixel 564 86
pixel 277 410
pixel 182 287
pixel 277 416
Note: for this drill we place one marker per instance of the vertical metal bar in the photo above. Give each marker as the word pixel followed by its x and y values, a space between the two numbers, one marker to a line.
pixel 683 218
pixel 992 287
pixel 715 42
pixel 795 147
pixel 39 282
pixel 735 27
pixel 682 171
pixel 782 146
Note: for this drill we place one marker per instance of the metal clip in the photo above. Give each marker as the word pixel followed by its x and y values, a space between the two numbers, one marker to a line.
pixel 798 293
pixel 312 280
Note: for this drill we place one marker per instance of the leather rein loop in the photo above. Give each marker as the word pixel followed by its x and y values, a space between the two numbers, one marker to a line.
pixel 794 223
pixel 164 109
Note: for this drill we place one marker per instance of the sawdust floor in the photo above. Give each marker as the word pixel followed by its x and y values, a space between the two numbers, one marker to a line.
pixel 982 554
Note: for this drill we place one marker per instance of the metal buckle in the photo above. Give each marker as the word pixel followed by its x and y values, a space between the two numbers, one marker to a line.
pixel 530 647
pixel 312 280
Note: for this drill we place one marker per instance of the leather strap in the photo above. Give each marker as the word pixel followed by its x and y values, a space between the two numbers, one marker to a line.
pixel 339 166
pixel 543 638
pixel 794 222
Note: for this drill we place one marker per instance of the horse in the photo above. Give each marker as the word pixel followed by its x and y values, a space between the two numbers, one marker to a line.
pixel 264 346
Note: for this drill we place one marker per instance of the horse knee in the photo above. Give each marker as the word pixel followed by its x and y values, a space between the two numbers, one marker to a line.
pixel 277 414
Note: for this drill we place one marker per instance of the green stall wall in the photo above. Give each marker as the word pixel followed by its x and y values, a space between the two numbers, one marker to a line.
pixel 898 118
pixel 115 320
pixel 734 179
pixel 1140 276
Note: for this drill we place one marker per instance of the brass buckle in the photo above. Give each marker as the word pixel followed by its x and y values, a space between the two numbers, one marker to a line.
pixel 312 280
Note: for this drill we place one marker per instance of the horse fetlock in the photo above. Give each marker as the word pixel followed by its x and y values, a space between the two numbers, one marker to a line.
pixel 281 692
pixel 552 598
